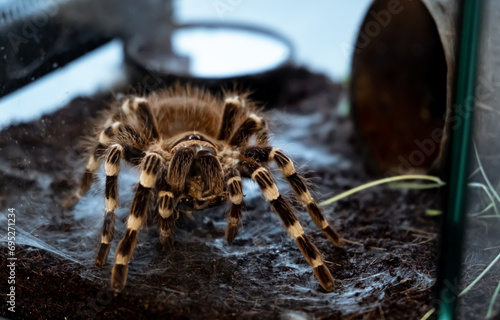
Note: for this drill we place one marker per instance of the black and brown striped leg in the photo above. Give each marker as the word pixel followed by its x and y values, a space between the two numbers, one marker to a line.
pixel 294 229
pixel 140 108
pixel 112 168
pixel 235 189
pixel 105 139
pixel 167 227
pixel 299 186
pixel 253 125
pixel 151 166
pixel 232 107
pixel 168 215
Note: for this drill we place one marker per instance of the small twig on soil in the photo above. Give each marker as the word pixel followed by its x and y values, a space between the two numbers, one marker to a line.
pixel 415 244
pixel 373 261
pixel 488 217
pixel 491 248
pixel 428 314
pixel 433 212
pixel 332 263
pixel 431 234
pixel 174 291
pixel 362 245
pixel 492 302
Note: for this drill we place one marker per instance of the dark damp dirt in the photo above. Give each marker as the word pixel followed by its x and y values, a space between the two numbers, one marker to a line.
pixel 385 271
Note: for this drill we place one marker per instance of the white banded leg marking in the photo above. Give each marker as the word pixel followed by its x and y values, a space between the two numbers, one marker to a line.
pixel 112 168
pixel 235 183
pixel 295 230
pixel 256 118
pixel 265 182
pixel 136 101
pixel 149 172
pixel 306 198
pixel 233 100
pixel 105 239
pixel 92 164
pixel 235 189
pixel 166 194
pixel 147 180
pixel 165 199
pixel 107 134
pixel 129 106
pixel 120 259
pixel 134 223
pixel 111 204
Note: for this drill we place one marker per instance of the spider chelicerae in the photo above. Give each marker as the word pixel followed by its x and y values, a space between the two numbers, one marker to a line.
pixel 193 149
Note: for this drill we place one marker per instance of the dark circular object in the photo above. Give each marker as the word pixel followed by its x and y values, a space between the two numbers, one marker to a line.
pixel 156 62
pixel 211 51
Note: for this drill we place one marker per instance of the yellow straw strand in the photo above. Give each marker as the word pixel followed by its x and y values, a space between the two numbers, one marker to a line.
pixel 382 181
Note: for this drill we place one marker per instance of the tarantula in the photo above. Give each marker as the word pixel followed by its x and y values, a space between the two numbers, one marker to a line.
pixel 193 149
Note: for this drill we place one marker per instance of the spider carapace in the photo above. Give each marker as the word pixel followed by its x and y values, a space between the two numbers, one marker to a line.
pixel 193 149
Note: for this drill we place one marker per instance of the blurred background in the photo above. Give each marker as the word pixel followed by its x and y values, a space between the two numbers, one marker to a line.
pixel 322 33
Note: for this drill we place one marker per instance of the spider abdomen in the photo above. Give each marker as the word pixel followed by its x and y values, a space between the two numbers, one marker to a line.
pixel 186 109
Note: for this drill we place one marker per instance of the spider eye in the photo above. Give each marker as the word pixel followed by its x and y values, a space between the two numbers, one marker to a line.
pixel 194 137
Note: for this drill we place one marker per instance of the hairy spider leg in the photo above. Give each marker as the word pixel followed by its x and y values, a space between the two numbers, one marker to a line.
pixel 261 175
pixel 298 184
pixel 235 189
pixel 105 138
pixel 139 107
pixel 232 108
pixel 168 215
pixel 252 125
pixel 151 166
pixel 112 169
pixel 135 107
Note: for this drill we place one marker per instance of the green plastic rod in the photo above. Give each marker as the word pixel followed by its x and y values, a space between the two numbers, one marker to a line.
pixel 461 135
